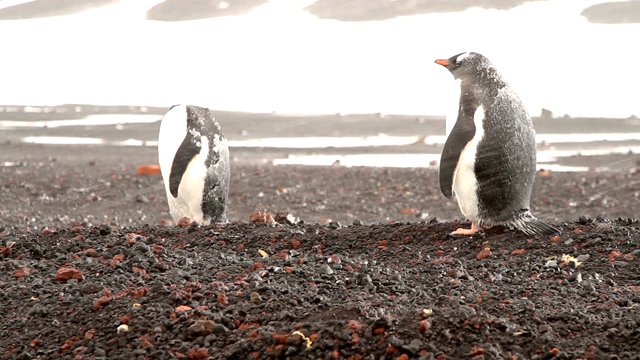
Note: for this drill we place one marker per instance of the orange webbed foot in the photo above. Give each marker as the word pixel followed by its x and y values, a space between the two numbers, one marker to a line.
pixel 467 232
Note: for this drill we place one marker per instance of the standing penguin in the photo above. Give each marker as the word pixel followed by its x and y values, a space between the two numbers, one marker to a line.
pixel 194 161
pixel 489 158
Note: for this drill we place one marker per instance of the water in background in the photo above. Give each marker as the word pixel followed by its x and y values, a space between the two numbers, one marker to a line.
pixel 350 140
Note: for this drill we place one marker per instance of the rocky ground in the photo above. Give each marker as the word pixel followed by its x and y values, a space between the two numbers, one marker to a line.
pixel 362 268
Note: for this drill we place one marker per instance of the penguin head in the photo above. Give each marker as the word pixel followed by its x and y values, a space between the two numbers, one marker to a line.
pixel 465 64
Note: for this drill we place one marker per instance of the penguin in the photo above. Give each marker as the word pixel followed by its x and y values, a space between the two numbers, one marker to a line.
pixel 489 158
pixel 194 162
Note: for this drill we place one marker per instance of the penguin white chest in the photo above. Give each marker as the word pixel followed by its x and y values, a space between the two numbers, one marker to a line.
pixel 465 182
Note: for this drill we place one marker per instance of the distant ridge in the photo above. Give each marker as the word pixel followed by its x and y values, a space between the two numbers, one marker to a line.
pixel 375 10
pixel 48 8
pixel 620 12
pixel 184 10
pixel 616 12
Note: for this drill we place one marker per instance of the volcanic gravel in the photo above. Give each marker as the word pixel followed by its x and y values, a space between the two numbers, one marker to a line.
pixel 349 263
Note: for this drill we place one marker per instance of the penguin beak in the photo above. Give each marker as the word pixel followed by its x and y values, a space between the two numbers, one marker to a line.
pixel 442 62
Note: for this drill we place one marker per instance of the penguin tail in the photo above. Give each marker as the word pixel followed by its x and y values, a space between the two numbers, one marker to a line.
pixel 530 225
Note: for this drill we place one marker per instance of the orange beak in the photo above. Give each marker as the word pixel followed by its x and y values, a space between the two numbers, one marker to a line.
pixel 442 62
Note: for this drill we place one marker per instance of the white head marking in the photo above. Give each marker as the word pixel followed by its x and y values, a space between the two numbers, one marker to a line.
pixel 462 57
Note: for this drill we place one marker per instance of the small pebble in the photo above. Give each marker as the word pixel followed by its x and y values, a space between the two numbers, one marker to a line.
pixel 255 298
pixel 551 264
pixel 325 269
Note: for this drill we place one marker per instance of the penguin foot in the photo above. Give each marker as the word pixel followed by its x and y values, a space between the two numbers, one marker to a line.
pixel 466 232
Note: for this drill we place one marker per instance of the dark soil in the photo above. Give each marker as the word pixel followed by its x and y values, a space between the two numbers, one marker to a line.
pixel 370 272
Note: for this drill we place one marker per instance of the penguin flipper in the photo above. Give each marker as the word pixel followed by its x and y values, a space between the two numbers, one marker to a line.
pixel 530 225
pixel 462 132
pixel 185 153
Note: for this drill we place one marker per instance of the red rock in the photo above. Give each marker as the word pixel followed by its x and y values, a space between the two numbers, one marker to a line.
pixel 262 217
pixel 613 255
pixel 22 272
pixel 286 218
pixel 143 273
pixel 6 250
pixel 199 354
pixel 354 325
pixel 65 273
pixel 348 267
pixel 518 252
pixel 140 292
pixel 116 259
pixel 424 326
pixel 483 254
pixel 182 308
pixel 148 169
pixel 335 354
pixel 284 255
pixel 46 230
pixel 222 299
pixel 132 238
pixel 34 342
pixel 391 349
pixel 102 301
pixel 280 338
pixel 409 211
pixel 67 344
pixel 158 249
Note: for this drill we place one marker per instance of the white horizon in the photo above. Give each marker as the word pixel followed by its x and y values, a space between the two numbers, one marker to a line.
pixel 278 58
